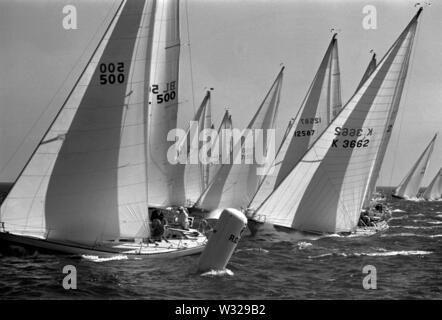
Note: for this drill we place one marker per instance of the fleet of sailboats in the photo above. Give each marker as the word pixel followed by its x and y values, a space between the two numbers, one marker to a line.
pixel 104 160
pixel 325 191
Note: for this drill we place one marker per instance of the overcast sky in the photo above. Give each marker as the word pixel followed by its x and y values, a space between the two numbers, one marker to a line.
pixel 237 48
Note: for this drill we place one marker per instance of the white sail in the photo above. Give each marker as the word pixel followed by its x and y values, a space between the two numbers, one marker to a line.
pixel 86 181
pixel 166 181
pixel 234 184
pixel 322 102
pixel 409 186
pixel 326 189
pixel 434 189
pixel 221 142
pixel 196 175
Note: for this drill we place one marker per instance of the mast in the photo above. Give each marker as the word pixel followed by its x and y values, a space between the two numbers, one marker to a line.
pixel 325 191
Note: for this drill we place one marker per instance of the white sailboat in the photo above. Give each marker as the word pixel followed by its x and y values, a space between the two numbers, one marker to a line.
pixel 87 187
pixel 434 189
pixel 321 103
pixel 324 192
pixel 409 186
pixel 234 184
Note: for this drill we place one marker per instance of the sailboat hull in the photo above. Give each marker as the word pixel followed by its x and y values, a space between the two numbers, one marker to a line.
pixel 397 197
pixel 171 249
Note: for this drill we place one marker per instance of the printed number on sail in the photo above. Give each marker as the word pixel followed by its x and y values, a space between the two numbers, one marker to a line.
pixel 167 93
pixel 111 73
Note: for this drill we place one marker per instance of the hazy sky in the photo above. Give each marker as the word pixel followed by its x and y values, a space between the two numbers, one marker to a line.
pixel 236 48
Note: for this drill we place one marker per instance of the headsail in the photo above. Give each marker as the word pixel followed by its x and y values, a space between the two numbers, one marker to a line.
pixel 370 68
pixel 234 184
pixel 166 181
pixel 326 189
pixel 409 186
pixel 196 174
pixel 322 102
pixel 87 179
pixel 434 189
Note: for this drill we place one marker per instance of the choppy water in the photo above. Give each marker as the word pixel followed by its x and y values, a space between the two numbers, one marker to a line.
pixel 407 257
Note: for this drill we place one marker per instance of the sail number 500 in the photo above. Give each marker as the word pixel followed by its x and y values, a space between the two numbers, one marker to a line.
pixel 111 73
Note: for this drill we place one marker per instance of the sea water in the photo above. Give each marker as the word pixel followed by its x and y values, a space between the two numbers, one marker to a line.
pixel 273 265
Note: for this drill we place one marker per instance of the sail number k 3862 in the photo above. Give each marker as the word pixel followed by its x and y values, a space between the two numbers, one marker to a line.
pixel 352 132
pixel 165 92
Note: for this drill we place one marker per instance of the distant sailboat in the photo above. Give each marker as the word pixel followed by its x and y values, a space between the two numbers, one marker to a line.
pixel 434 189
pixel 87 187
pixel 320 105
pixel 324 192
pixel 196 174
pixel 409 186
pixel 234 184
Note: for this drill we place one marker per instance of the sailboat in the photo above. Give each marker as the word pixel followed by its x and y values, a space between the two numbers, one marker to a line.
pixel 324 192
pixel 234 184
pixel 196 174
pixel 434 189
pixel 320 105
pixel 87 186
pixel 409 186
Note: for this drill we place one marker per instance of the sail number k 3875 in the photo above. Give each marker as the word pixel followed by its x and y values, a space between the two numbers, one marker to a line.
pixel 164 93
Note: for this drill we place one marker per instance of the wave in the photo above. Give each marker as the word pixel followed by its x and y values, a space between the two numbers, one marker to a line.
pixel 302 245
pixel 252 250
pixel 415 227
pixel 405 234
pixel 393 253
pixel 439 216
pixel 398 210
pixel 434 222
pixel 100 259
pixel 382 253
pixel 218 273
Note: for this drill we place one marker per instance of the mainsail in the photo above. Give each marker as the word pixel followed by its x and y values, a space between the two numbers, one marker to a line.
pixel 234 184
pixel 196 174
pixel 434 189
pixel 326 189
pixel 166 181
pixel 87 180
pixel 409 186
pixel 321 104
